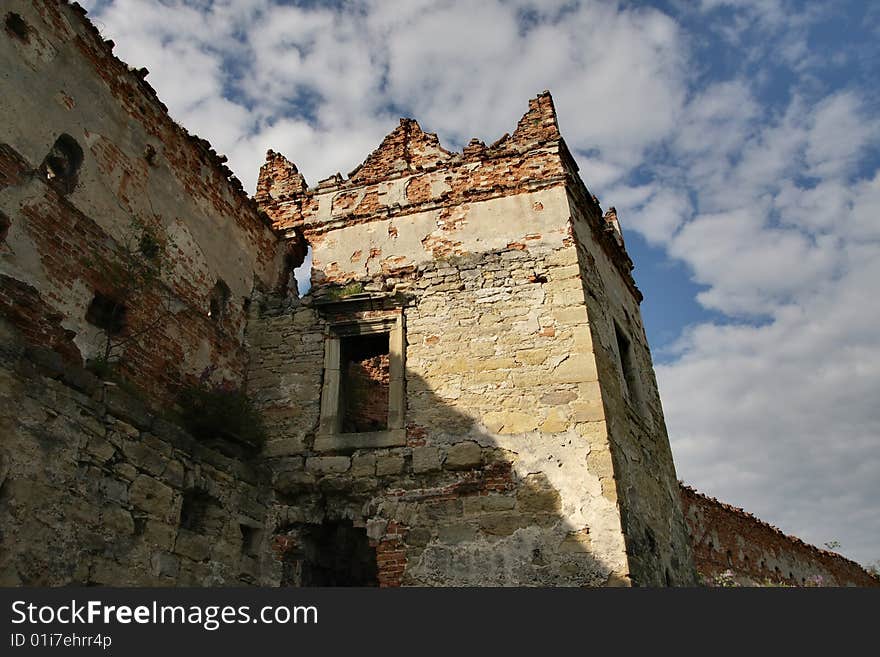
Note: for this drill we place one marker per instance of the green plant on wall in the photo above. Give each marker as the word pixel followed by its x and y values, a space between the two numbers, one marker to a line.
pixel 347 290
pixel 221 410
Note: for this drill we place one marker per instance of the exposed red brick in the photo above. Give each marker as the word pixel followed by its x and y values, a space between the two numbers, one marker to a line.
pixel 726 538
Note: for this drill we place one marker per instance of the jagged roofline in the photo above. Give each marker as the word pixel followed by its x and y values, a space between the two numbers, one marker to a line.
pixel 421 150
pixel 137 78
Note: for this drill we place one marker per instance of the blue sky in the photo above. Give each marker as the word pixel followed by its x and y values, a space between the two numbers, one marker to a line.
pixel 738 139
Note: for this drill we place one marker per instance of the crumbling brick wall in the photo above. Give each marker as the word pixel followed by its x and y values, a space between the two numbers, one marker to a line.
pixel 93 162
pixel 94 480
pixel 366 403
pixel 726 538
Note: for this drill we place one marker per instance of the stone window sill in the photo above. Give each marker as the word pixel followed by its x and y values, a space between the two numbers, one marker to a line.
pixel 341 442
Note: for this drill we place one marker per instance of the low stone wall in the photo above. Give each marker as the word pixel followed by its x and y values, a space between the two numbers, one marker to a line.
pixel 726 538
pixel 95 488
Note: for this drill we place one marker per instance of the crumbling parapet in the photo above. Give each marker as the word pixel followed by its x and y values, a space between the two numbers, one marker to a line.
pixel 733 546
pixel 101 173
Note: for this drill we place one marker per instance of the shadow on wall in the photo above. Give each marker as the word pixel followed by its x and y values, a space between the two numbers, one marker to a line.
pixel 453 504
pixel 456 506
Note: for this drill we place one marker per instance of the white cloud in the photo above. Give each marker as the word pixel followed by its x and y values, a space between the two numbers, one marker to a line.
pixel 838 133
pixel 655 211
pixel 355 69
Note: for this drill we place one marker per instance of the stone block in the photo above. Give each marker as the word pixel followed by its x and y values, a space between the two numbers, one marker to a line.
pixel 569 271
pixel 128 408
pixel 493 503
pixel 587 411
pixel 152 496
pixel 100 449
pixel 284 447
pixel 537 495
pixel 463 455
pixel 557 420
pixel 328 464
pixel 575 369
pixel 158 534
pixel 389 464
pixel 503 524
pixel 488 364
pixel 509 422
pixel 557 398
pixel 573 315
pixel 49 361
pixel 425 459
pixel 442 510
pixel 144 457
pixel 80 379
pixel 532 356
pixel 291 482
pixel 492 376
pixel 418 537
pixel 194 546
pixel 459 533
pixel 599 463
pixel 363 465
pixel 117 521
pixel 165 564
pixel 113 489
pixel 376 528
pixel 173 473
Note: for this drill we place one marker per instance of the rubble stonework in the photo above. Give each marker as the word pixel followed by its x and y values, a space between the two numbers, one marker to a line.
pixel 94 485
pixel 464 397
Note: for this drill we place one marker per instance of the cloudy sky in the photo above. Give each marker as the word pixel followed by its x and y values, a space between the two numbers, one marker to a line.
pixel 739 140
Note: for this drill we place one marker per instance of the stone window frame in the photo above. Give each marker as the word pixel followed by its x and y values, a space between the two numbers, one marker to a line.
pixel 330 437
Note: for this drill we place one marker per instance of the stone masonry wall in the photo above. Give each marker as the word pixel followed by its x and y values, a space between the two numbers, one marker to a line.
pixel 95 487
pixel 506 474
pixel 657 545
pixel 80 111
pixel 726 538
pixel 493 484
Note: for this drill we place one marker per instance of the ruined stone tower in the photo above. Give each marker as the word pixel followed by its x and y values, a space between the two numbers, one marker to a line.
pixel 467 387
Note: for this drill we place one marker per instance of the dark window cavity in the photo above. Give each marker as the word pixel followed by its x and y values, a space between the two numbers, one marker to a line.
pixel 330 554
pixel 628 370
pixel 61 166
pixel 251 537
pixel 106 313
pixel 364 383
pixel 16 26
pixel 5 223
pixel 201 512
pixel 218 302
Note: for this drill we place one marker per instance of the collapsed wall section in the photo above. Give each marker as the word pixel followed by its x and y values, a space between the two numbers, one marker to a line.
pixel 128 257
